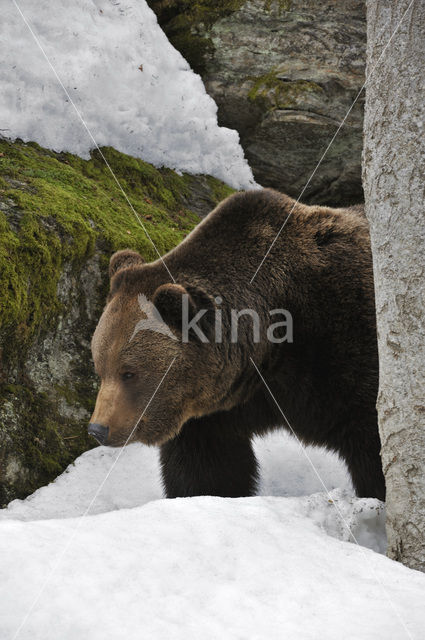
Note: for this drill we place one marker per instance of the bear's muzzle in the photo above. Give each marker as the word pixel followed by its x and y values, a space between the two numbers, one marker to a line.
pixel 99 432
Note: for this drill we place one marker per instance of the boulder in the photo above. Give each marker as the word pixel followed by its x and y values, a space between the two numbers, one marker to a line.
pixel 284 74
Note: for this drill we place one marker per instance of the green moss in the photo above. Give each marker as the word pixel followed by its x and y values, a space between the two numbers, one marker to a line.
pixel 220 190
pixel 283 5
pixel 188 24
pixel 273 92
pixel 55 207
pixel 57 211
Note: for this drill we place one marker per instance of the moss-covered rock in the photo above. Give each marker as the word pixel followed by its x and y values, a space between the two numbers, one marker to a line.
pixel 60 219
pixel 273 91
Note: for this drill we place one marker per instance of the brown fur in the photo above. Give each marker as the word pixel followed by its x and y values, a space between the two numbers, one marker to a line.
pixel 212 401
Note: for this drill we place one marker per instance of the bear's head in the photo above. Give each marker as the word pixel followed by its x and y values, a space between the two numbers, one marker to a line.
pixel 152 380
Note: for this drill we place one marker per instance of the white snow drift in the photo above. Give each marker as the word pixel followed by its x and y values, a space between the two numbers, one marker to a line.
pixel 246 569
pixel 134 91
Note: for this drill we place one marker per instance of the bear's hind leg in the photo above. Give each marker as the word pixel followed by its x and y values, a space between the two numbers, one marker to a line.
pixel 364 464
pixel 209 457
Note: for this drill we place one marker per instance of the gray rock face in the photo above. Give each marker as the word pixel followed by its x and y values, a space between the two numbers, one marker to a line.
pixel 45 406
pixel 284 74
pixel 285 80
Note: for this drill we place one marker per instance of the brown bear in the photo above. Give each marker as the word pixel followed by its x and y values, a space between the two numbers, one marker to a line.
pixel 203 398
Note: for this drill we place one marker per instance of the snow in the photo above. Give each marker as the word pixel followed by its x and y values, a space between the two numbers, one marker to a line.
pixel 160 113
pixel 293 562
pixel 135 480
pixel 138 566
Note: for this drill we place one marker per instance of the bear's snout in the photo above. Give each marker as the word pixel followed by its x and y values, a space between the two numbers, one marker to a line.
pixel 99 432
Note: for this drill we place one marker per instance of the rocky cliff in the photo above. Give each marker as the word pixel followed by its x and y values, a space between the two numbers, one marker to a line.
pixel 60 219
pixel 284 73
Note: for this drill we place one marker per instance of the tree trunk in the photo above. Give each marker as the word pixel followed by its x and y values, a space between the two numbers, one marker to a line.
pixel 393 173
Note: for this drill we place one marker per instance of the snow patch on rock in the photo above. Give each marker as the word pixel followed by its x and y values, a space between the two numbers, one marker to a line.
pixel 134 91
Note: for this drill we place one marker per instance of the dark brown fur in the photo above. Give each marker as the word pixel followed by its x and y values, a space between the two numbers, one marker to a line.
pixel 212 401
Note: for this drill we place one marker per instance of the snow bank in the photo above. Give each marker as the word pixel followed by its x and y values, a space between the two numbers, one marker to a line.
pixel 201 568
pixel 135 480
pixel 265 567
pixel 285 471
pixel 132 88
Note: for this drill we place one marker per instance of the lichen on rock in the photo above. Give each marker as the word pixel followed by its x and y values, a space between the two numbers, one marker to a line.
pixel 274 90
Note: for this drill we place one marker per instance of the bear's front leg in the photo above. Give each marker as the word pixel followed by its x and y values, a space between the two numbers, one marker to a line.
pixel 209 457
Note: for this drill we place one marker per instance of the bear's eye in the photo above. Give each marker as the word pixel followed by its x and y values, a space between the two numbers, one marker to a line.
pixel 127 375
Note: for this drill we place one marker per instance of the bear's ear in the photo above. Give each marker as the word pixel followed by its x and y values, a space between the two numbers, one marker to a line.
pixel 123 259
pixel 179 305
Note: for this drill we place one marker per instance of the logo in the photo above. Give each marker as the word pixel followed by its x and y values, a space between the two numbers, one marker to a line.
pixel 274 332
pixel 153 320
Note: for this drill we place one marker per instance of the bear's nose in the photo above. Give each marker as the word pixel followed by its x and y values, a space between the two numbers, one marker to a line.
pixel 98 431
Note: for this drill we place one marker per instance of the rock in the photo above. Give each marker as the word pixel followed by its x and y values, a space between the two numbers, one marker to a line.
pixel 283 73
pixel 61 217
